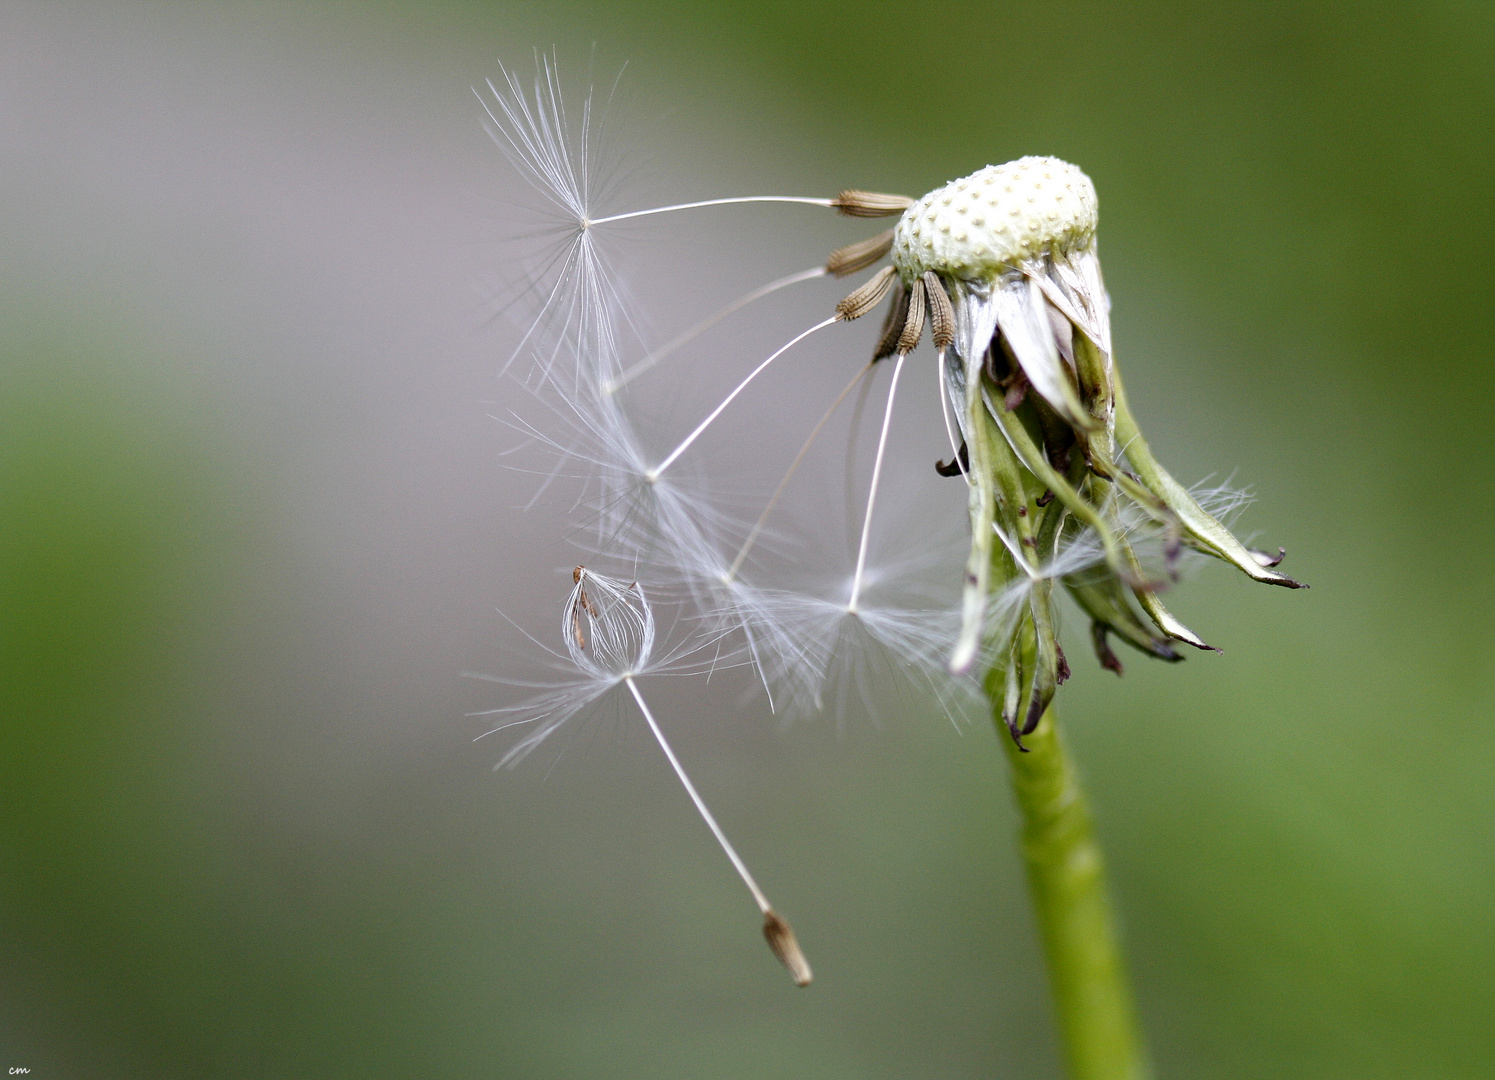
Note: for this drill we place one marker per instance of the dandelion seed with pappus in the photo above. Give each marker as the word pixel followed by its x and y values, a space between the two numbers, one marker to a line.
pixel 611 640
pixel 1064 497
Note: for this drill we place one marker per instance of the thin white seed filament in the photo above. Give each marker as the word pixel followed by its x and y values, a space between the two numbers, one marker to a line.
pixel 534 138
pixel 568 268
pixel 695 797
pixel 709 202
pixel 655 473
pixel 752 537
pixel 939 375
pixel 1018 556
pixel 614 385
pixel 882 446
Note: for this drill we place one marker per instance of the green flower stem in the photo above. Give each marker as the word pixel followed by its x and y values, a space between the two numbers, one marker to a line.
pixel 1066 875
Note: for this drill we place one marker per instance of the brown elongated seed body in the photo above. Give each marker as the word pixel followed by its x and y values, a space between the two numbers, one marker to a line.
pixel 892 326
pixel 855 203
pixel 941 312
pixel 866 297
pixel 784 945
pixel 859 256
pixel 913 322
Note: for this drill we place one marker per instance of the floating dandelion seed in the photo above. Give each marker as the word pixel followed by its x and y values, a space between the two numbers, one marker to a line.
pixel 611 639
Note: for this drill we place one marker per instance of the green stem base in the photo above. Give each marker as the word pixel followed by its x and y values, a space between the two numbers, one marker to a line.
pixel 1066 875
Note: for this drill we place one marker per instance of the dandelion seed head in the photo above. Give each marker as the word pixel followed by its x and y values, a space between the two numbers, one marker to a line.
pixel 1064 496
pixel 996 219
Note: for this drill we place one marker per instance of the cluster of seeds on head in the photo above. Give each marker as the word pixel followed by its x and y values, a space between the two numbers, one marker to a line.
pixel 922 297
pixel 994 220
pixel 997 218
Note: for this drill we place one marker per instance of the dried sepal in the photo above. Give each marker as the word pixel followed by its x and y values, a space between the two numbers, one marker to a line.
pixel 1092 368
pixel 1027 647
pixel 860 255
pixel 870 204
pixel 1108 659
pixel 1012 693
pixel 941 313
pixel 958 465
pixel 867 296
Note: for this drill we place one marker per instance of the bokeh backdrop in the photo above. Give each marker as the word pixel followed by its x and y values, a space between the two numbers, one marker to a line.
pixel 254 522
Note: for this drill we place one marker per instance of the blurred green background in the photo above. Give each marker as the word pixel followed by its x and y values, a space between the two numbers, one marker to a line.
pixel 253 523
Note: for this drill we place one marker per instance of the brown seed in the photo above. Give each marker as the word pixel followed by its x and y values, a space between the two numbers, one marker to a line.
pixel 782 941
pixel 859 256
pixel 941 313
pixel 892 326
pixel 855 203
pixel 867 297
pixel 913 323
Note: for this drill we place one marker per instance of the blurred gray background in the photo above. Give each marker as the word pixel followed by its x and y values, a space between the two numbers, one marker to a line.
pixel 254 522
